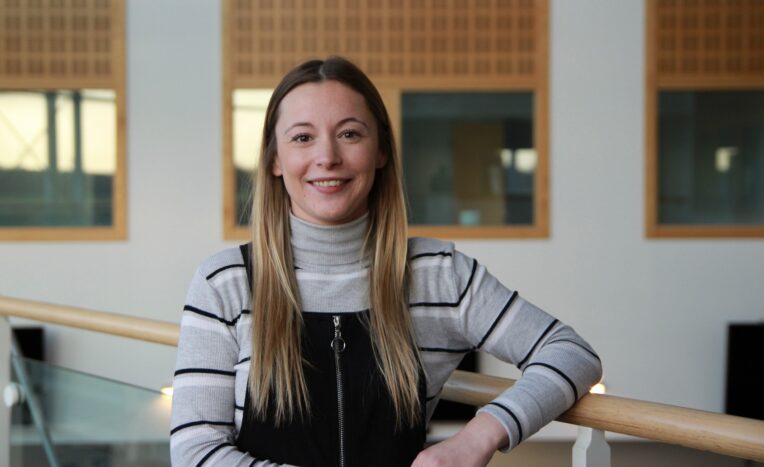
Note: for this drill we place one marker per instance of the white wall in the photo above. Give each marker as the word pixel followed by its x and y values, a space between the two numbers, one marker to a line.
pixel 656 310
pixel 174 198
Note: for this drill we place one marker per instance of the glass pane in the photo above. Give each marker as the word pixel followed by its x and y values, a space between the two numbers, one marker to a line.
pixel 469 158
pixel 711 157
pixel 91 421
pixel 249 106
pixel 58 158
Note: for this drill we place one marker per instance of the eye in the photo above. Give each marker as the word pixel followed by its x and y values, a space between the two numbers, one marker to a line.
pixel 301 138
pixel 350 134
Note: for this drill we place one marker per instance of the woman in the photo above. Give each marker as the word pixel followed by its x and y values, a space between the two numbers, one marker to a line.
pixel 327 340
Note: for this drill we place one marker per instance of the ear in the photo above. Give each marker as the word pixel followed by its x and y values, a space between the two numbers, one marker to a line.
pixel 381 160
pixel 276 167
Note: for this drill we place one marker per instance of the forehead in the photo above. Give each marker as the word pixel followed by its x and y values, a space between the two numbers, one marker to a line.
pixel 326 100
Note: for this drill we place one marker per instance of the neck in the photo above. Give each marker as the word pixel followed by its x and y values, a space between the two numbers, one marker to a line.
pixel 321 245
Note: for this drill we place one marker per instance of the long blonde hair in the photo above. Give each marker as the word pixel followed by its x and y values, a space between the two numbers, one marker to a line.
pixel 276 369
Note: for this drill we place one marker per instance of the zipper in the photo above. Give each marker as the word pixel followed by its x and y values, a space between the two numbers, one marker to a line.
pixel 338 346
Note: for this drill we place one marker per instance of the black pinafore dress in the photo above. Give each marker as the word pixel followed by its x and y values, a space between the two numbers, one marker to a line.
pixel 352 420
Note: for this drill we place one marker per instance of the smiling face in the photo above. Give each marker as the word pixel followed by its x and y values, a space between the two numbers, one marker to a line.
pixel 327 152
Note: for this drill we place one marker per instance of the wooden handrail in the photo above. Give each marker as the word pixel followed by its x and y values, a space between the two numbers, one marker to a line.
pixel 697 429
pixel 706 431
pixel 149 330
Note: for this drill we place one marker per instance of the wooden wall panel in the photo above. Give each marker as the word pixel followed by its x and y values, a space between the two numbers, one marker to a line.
pixel 61 44
pixel 403 45
pixel 430 43
pixel 709 42
pixel 68 44
pixel 697 45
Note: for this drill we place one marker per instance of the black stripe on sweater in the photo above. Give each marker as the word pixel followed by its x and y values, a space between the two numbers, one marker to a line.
pixel 207 314
pixel 207 371
pixel 439 349
pixel 422 255
pixel 556 370
pixel 197 423
pixel 245 359
pixel 578 344
pixel 218 270
pixel 461 297
pixel 213 451
pixel 498 318
pixel 541 337
pixel 514 417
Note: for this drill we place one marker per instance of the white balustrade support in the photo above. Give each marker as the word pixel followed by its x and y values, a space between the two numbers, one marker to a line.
pixel 591 448
pixel 5 380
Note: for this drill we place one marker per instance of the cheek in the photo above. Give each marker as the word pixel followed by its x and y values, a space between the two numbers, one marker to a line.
pixel 285 165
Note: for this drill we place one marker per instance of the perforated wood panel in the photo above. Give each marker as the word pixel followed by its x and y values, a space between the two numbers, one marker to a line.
pixel 709 40
pixel 498 42
pixel 68 44
pixel 61 43
pixel 709 45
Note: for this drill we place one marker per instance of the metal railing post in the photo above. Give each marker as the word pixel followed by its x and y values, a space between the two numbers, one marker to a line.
pixel 33 403
pixel 5 380
pixel 591 448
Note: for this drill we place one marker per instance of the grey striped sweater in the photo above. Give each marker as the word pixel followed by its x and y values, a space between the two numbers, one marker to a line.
pixel 456 307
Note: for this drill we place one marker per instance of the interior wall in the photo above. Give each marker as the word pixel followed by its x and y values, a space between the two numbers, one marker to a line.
pixel 655 310
pixel 174 199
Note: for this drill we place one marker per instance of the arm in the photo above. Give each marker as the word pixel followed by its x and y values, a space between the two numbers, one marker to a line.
pixel 558 366
pixel 203 407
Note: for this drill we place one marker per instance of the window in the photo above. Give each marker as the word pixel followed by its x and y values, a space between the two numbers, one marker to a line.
pixel 711 158
pixel 62 137
pixel 705 119
pixel 482 64
pixel 57 158
pixel 249 106
pixel 469 158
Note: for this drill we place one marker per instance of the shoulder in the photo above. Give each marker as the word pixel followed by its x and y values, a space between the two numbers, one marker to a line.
pixel 438 265
pixel 438 251
pixel 218 263
pixel 433 276
pixel 420 247
pixel 220 287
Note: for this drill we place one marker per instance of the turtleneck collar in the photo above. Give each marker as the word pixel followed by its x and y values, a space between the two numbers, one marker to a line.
pixel 323 245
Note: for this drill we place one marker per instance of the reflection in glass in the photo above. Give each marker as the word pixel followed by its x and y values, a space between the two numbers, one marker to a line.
pixel 91 421
pixel 711 157
pixel 57 157
pixel 249 107
pixel 469 158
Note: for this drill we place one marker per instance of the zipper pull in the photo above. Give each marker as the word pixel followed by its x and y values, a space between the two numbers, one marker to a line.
pixel 338 343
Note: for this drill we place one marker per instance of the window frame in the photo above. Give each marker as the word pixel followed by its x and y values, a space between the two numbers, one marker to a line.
pixel 392 98
pixel 118 229
pixel 654 84
pixel 540 227
pixel 391 90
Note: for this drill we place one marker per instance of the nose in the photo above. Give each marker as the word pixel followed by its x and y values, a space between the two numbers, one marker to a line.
pixel 328 154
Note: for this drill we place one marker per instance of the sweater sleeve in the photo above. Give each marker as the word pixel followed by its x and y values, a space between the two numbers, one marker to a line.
pixel 558 366
pixel 203 405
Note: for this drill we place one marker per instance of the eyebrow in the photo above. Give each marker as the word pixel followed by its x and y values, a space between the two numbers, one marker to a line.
pixel 353 119
pixel 341 122
pixel 296 125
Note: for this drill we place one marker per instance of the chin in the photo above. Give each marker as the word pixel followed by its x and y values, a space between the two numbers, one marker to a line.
pixel 336 219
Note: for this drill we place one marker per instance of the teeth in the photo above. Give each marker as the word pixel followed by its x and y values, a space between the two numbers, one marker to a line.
pixel 328 183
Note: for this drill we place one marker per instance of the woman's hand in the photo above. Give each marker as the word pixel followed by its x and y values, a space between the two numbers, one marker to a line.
pixel 473 446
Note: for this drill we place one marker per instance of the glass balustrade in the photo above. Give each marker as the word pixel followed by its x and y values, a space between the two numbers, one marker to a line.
pixel 90 421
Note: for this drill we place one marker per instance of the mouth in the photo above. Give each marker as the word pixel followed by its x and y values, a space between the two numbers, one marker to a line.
pixel 328 183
